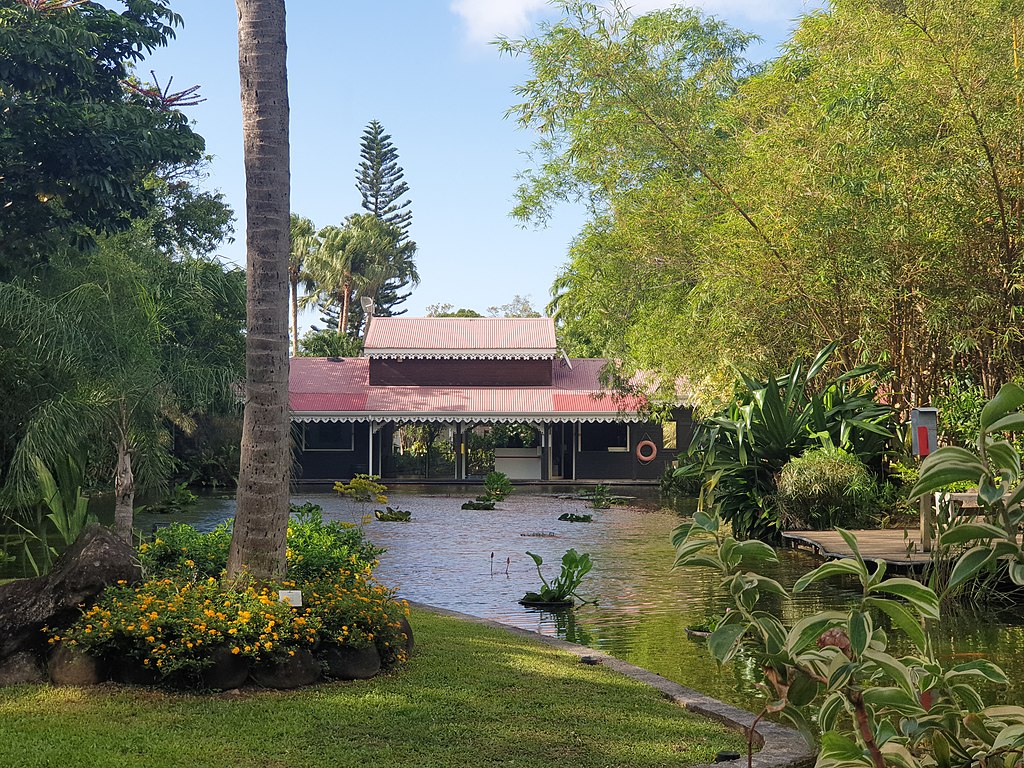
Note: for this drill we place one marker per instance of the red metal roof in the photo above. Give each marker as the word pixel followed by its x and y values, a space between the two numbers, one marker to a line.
pixel 322 388
pixel 512 337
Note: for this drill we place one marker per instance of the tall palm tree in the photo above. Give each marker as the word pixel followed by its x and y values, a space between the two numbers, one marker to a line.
pixel 303 239
pixel 261 520
pixel 359 257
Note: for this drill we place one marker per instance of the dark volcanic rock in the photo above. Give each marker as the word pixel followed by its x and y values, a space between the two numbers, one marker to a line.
pixel 289 672
pixel 351 663
pixel 96 560
pixel 226 671
pixel 406 628
pixel 66 666
pixel 21 667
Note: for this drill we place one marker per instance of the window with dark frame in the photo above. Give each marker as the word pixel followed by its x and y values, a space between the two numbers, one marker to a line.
pixel 329 436
pixel 604 437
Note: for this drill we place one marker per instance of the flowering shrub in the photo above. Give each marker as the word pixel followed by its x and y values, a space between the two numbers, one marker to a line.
pixel 314 548
pixel 181 549
pixel 174 627
pixel 354 611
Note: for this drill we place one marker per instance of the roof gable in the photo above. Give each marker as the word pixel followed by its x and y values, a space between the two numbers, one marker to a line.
pixel 513 338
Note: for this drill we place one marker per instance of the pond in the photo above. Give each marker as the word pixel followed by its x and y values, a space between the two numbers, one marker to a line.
pixel 476 562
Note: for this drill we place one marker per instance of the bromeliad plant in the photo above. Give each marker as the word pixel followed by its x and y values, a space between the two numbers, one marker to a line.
pixel 563 588
pixel 746 445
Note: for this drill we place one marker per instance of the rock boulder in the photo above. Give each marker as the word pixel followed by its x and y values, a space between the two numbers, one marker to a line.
pixel 96 560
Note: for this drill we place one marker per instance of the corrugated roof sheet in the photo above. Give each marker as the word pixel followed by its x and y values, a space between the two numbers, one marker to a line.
pixel 467 336
pixel 340 388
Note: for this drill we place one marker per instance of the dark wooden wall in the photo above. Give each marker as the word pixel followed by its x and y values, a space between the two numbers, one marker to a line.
pixel 467 373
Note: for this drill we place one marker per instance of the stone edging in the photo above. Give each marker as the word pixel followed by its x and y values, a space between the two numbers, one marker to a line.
pixel 779 746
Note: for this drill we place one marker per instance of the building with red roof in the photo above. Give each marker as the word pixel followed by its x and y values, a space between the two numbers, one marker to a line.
pixel 464 377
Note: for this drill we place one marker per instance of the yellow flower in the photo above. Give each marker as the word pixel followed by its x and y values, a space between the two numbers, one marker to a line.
pixel 236 650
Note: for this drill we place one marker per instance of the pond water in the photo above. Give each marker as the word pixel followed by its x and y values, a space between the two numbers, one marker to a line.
pixel 476 562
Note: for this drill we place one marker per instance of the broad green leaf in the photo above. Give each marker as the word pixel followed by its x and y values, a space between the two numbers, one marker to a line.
pixel 797 718
pixel 704 521
pixel 722 642
pixel 1010 397
pixel 969 697
pixel 892 667
pixel 940 749
pixel 803 690
pixel 756 550
pixel 917 594
pixel 894 698
pixel 831 710
pixel 691 548
pixel 810 628
pixel 980 668
pixel 968 565
pixel 897 754
pixel 901 618
pixel 860 632
pixel 832 568
pixel 1010 737
pixel 835 746
pixel 1013 422
pixel 1006 713
pixel 965 532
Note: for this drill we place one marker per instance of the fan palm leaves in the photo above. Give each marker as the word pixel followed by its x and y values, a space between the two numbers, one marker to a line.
pixel 304 242
pixel 131 371
pixel 359 257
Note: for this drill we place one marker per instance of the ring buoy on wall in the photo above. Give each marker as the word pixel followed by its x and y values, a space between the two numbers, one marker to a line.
pixel 646 451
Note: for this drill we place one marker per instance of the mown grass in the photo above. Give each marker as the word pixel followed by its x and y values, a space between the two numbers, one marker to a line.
pixel 470 696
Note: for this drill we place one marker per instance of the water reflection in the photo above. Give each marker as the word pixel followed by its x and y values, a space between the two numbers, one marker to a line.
pixel 444 557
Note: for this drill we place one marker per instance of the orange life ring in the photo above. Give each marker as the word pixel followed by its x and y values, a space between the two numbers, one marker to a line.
pixel 643 455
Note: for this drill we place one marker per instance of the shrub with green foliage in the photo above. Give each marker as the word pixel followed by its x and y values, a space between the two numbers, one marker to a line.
pixel 497 486
pixel 314 548
pixel 743 448
pixel 825 488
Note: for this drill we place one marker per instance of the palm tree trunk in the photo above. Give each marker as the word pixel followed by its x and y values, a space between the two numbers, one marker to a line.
pixel 261 519
pixel 295 318
pixel 124 492
pixel 343 319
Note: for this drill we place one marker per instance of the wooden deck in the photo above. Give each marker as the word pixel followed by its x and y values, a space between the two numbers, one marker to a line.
pixel 890 545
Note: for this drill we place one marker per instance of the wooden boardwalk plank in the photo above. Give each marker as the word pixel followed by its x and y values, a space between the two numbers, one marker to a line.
pixel 888 544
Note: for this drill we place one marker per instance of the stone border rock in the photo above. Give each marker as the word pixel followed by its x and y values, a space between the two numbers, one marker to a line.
pixel 779 746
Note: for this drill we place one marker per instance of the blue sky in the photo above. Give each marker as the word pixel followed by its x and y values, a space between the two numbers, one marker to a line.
pixel 424 68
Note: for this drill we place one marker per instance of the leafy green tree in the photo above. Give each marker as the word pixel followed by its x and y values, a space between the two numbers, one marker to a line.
pixel 381 183
pixel 329 344
pixel 863 188
pixel 76 145
pixel 449 310
pixel 258 539
pixel 356 259
pixel 128 329
pixel 519 307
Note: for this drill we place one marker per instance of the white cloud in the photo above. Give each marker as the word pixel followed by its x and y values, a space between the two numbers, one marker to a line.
pixel 485 19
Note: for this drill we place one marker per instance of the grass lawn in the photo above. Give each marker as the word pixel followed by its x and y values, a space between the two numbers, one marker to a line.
pixel 470 696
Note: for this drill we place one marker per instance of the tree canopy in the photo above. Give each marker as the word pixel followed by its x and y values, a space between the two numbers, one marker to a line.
pixel 865 187
pixel 81 135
